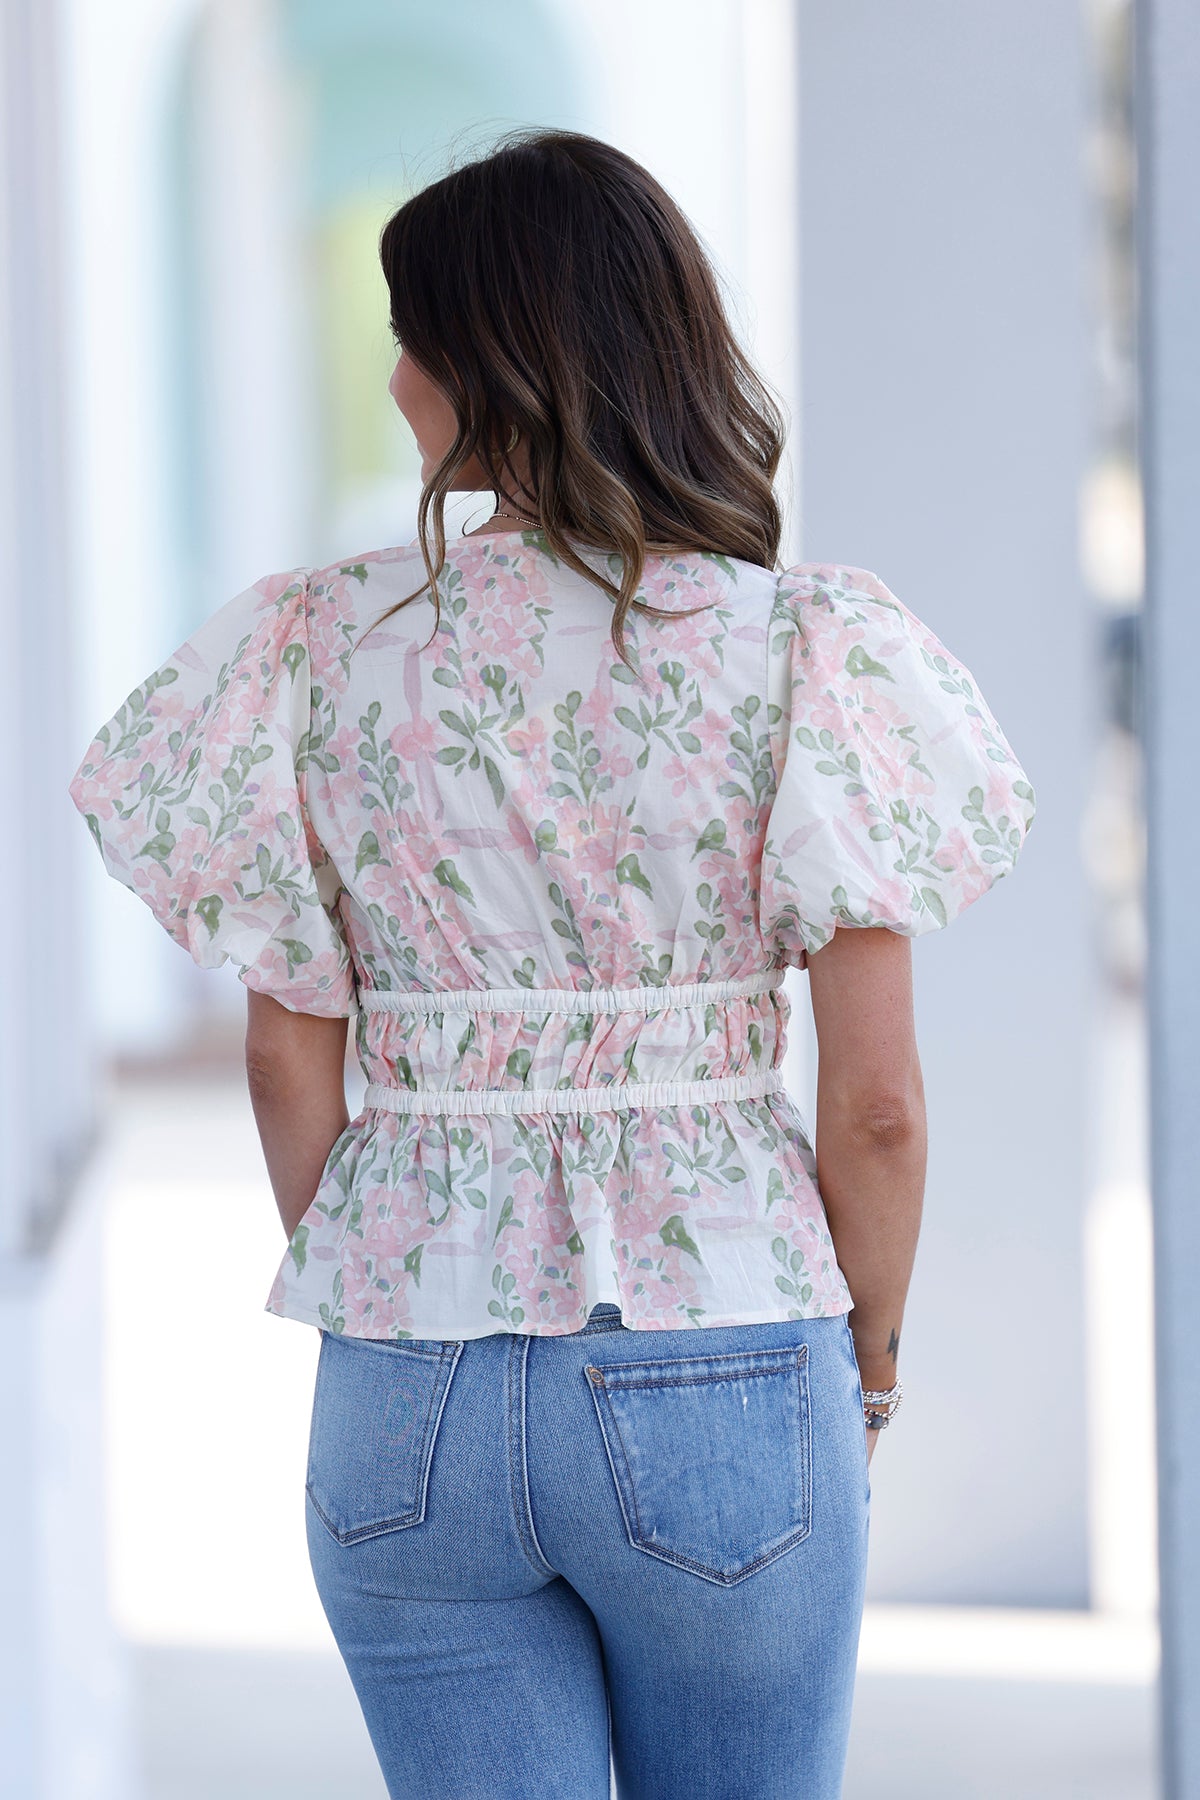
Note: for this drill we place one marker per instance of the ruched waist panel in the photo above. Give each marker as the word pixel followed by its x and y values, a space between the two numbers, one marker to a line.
pixel 572 1049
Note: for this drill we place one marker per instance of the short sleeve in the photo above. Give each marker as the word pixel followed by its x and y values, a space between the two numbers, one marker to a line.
pixel 194 792
pixel 899 800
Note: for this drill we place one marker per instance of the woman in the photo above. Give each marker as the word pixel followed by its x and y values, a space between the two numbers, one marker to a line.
pixel 550 808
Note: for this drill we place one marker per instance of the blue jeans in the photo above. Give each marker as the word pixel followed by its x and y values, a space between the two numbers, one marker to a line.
pixel 537 1553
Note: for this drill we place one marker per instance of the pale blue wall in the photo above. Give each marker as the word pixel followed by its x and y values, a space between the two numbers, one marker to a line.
pixel 945 347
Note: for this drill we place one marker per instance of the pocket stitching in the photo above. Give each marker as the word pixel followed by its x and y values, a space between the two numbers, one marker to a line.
pixel 449 1353
pixel 780 1351
pixel 798 1358
pixel 627 1387
pixel 858 1377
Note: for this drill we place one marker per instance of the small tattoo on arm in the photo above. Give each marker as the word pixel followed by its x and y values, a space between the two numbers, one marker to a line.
pixel 893 1348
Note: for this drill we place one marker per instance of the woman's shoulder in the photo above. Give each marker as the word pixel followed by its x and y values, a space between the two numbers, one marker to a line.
pixel 847 623
pixel 811 589
pixel 361 567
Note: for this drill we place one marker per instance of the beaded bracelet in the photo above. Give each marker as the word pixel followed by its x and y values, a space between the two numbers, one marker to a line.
pixel 881 1397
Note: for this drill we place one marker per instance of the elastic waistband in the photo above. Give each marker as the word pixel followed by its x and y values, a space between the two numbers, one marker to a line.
pixel 615 1096
pixel 567 1000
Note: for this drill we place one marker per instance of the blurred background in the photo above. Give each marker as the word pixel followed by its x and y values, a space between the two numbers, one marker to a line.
pixel 923 217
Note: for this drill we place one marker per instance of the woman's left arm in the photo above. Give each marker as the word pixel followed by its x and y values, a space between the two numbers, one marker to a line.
pixel 295 1070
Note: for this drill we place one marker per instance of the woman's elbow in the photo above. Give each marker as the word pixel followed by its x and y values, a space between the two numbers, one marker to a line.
pixel 880 1119
pixel 892 1125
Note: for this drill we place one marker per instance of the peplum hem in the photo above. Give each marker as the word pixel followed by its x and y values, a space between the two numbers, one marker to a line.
pixel 681 1215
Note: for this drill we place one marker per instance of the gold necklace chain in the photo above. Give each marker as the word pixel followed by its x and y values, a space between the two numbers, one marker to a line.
pixel 505 513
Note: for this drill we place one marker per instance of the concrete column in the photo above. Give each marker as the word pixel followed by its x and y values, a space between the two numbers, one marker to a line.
pixel 1167 77
pixel 62 1717
pixel 945 352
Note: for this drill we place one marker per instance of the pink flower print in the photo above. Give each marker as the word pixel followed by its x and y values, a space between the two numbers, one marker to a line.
pixel 528 736
pixel 417 738
pixel 820 711
pixel 679 775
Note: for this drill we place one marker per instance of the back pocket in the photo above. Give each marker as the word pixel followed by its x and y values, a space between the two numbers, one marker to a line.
pixel 711 1456
pixel 377 1406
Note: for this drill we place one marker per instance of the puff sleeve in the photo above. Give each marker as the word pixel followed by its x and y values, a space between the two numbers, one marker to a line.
pixel 899 800
pixel 194 792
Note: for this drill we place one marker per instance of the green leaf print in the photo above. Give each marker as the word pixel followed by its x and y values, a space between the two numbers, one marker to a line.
pixel 495 781
pixel 448 876
pixel 668 718
pixel 859 663
pixel 160 849
pixel 379 764
pixel 795 1264
pixel 297 953
pixel 576 756
pixel 713 837
pixel 298 1247
pixel 674 1233
pixel 631 874
pixel 935 903
pixel 479 730
pixel 209 911
pixel 500 1308
pixel 568 926
pixel 412 1263
pixel 506 1213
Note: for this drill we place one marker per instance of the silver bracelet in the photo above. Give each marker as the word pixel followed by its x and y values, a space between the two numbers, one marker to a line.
pixel 876 1398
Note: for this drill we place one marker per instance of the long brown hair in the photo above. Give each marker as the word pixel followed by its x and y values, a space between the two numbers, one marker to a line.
pixel 559 297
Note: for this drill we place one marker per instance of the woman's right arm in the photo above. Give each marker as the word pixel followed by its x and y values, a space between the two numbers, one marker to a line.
pixel 870 1130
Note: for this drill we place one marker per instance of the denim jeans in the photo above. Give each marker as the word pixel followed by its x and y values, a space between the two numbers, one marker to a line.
pixel 537 1554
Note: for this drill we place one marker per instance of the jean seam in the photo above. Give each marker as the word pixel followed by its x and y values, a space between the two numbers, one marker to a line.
pixel 805 1385
pixel 518 1355
pixel 861 1405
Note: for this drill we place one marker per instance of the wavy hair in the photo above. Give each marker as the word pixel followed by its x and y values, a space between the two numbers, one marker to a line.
pixel 560 299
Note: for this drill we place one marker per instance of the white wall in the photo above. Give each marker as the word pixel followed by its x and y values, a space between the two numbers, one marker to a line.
pixel 945 356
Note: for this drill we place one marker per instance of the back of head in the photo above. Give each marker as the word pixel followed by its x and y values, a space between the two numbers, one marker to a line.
pixel 561 300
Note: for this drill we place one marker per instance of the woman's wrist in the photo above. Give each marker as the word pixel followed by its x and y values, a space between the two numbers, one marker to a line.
pixel 877 1348
pixel 879 1372
pixel 880 1405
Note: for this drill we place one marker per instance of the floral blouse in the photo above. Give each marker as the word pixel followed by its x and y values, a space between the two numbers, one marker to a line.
pixel 558 896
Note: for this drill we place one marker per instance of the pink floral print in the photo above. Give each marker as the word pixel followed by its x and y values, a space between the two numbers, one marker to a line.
pixel 536 878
